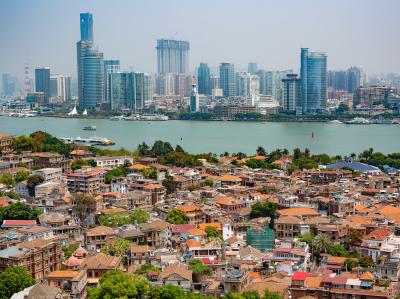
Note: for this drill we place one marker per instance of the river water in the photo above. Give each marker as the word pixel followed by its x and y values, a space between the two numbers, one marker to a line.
pixel 218 136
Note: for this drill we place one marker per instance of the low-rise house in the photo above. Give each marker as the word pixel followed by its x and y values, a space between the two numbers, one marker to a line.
pixel 39 291
pixel 289 227
pixel 208 253
pixel 375 242
pixel 10 224
pixel 194 213
pixel 97 265
pixel 51 159
pixel 49 174
pixel 132 233
pixel 178 275
pixel 98 236
pixel 73 283
pixel 141 254
pixel 112 162
pixel 156 232
pixel 86 180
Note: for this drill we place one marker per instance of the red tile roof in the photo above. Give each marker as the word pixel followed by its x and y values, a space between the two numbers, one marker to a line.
pixel 18 223
pixel 300 275
pixel 378 234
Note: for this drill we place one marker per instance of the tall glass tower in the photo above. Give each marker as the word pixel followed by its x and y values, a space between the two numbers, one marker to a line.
pixel 227 79
pixel 313 81
pixel 204 79
pixel 86 26
pixel 172 56
pixel 93 79
pixel 42 82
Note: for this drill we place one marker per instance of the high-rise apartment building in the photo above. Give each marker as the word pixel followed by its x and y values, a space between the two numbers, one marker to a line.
pixel 172 56
pixel 354 77
pixel 90 64
pixel 204 79
pixel 110 66
pixel 194 100
pixel 252 68
pixel 129 90
pixel 8 84
pixel 227 79
pixel 60 87
pixel 247 85
pixel 291 92
pixel 86 26
pixel 42 82
pixel 313 81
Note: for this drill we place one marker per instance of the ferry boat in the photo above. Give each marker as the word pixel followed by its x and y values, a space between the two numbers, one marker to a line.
pixel 335 122
pixel 117 118
pixel 90 128
pixel 147 117
pixel 358 121
pixel 94 140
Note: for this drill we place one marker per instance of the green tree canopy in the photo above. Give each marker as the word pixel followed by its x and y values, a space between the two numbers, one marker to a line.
pixel 22 175
pixel 7 180
pixel 175 216
pixel 83 205
pixel 212 232
pixel 14 280
pixel 32 182
pixel 19 210
pixel 118 247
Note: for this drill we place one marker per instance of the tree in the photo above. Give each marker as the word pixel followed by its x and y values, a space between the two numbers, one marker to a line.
pixel 350 263
pixel 261 151
pixel 7 180
pixel 175 216
pixel 263 209
pixel 118 247
pixel 149 173
pixel 321 244
pixel 117 284
pixel 115 173
pixel 307 237
pixel 19 211
pixel 209 182
pixel 199 269
pixel 146 268
pixel 22 175
pixel 178 148
pixel 169 184
pixel 140 216
pixel 116 219
pixel 26 143
pixel 256 163
pixel 354 236
pixel 14 280
pixel 32 182
pixel 212 232
pixel 297 154
pixel 338 250
pixel 143 149
pixel 70 249
pixel 83 205
pixel 78 163
pixel 342 109
pixel 271 295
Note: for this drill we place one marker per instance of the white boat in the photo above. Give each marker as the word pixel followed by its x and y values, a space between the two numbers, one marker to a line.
pixel 335 122
pixel 117 118
pixel 90 128
pixel 73 112
pixel 358 121
pixel 94 140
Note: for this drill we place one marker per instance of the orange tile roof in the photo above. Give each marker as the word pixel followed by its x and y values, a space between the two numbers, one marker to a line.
pixel 196 232
pixel 5 136
pixel 63 274
pixel 193 243
pixel 138 167
pixel 217 225
pixel 313 282
pixel 378 234
pixel 229 178
pixel 298 212
pixel 187 209
pixel 367 276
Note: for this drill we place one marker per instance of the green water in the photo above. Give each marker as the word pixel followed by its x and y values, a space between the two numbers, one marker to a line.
pixel 212 136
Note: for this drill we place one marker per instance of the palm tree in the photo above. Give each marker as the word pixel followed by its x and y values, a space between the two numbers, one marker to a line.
pixel 320 244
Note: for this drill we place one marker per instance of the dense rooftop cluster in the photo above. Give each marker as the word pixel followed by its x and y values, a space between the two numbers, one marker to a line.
pixel 158 222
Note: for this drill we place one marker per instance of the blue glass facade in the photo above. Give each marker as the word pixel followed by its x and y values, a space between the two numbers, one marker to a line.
pixel 86 26
pixel 93 79
pixel 313 81
pixel 42 82
pixel 204 79
pixel 227 79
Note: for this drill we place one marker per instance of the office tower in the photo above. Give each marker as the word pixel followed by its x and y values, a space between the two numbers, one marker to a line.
pixel 227 79
pixel 86 26
pixel 247 85
pixel 354 75
pixel 215 82
pixel 194 100
pixel 291 92
pixel 90 64
pixel 263 81
pixel 8 85
pixel 172 56
pixel 119 90
pixel 42 82
pixel 252 68
pixel 338 80
pixel 60 87
pixel 93 79
pixel 313 81
pixel 204 79
pixel 110 66
pixel 144 91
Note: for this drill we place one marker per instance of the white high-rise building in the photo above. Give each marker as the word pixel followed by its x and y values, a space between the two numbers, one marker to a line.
pixel 60 87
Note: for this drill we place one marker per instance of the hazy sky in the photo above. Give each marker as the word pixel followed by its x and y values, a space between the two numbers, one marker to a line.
pixel 351 32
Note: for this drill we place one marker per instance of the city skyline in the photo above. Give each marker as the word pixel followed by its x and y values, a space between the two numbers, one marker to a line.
pixel 138 52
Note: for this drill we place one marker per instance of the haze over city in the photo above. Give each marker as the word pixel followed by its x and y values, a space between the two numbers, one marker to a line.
pixel 44 33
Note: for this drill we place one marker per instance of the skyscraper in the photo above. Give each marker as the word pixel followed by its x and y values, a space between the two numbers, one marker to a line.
pixel 143 91
pixel 86 26
pixel 291 92
pixel 110 66
pixel 252 68
pixel 42 82
pixel 90 64
pixel 60 87
pixel 227 79
pixel 354 75
pixel 8 84
pixel 204 79
pixel 247 85
pixel 313 81
pixel 93 79
pixel 119 90
pixel 172 56
pixel 194 100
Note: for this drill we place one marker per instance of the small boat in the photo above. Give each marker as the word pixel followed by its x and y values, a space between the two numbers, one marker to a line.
pixel 358 121
pixel 94 140
pixel 335 122
pixel 90 128
pixel 117 118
